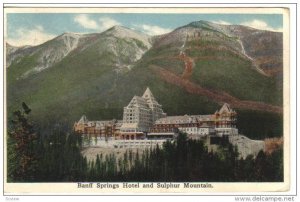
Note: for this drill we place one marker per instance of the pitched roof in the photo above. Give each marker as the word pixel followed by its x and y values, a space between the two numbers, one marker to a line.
pixel 83 119
pixel 225 109
pixel 129 126
pixel 148 96
pixel 183 119
pixel 175 119
pixel 208 117
pixel 137 101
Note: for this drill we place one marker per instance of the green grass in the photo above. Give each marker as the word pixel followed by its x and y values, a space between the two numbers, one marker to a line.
pixel 228 72
pixel 173 65
pixel 238 79
pixel 17 69
pixel 175 100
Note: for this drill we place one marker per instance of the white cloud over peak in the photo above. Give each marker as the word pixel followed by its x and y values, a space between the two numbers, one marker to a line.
pixel 33 37
pixel 106 23
pixel 101 24
pixel 153 29
pixel 260 24
pixel 84 21
pixel 257 24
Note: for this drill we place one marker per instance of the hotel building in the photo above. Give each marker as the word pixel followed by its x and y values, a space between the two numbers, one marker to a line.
pixel 144 118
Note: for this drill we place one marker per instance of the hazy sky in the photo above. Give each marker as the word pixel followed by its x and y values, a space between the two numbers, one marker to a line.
pixel 34 29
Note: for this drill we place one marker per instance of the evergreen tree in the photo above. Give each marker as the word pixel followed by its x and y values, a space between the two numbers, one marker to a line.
pixel 21 147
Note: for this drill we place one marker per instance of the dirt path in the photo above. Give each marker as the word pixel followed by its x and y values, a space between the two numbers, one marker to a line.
pixel 188 65
pixel 217 96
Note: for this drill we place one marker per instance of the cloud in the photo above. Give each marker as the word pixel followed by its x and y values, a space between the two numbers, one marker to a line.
pixel 257 24
pixel 84 21
pixel 260 24
pixel 26 36
pixel 106 23
pixel 101 24
pixel 153 29
pixel 221 22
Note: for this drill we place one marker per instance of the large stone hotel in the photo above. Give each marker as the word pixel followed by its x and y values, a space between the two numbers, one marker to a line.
pixel 144 118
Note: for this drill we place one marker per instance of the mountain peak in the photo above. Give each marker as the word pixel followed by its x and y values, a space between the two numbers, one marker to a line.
pixel 199 22
pixel 8 44
pixel 69 34
pixel 125 32
pixel 119 27
pixel 206 25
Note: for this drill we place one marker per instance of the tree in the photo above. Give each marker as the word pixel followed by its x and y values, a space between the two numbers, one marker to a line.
pixel 21 146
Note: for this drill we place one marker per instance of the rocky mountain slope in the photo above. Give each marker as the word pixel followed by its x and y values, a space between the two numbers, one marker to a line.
pixel 124 44
pixel 263 48
pixel 192 70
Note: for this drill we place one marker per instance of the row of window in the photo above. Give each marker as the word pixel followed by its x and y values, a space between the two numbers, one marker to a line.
pixel 194 129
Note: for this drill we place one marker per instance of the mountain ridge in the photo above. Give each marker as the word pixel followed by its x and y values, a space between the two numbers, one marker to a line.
pixel 100 72
pixel 56 49
pixel 261 64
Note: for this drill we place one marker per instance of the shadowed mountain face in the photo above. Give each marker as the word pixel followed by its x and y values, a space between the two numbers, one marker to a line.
pixel 191 70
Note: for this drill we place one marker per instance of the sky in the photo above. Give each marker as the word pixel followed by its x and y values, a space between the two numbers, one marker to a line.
pixel 37 28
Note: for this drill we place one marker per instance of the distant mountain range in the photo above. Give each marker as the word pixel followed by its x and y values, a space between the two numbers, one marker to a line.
pixel 191 70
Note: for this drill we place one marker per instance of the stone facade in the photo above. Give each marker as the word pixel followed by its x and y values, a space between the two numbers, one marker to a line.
pixel 247 146
pixel 225 121
pixel 106 129
pixel 222 122
pixel 145 125
pixel 141 113
pixel 144 118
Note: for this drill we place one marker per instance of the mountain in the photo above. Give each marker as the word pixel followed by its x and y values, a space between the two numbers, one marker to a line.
pixel 14 54
pixel 263 48
pixel 191 70
pixel 213 56
pixel 116 41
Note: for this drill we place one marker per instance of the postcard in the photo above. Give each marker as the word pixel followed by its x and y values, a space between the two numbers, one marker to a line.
pixel 146 100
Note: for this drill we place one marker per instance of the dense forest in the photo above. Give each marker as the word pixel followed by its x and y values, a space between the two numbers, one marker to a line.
pixel 35 157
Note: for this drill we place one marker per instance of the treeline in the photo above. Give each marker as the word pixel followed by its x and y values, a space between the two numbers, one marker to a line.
pixel 187 160
pixel 259 125
pixel 57 158
pixel 36 157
